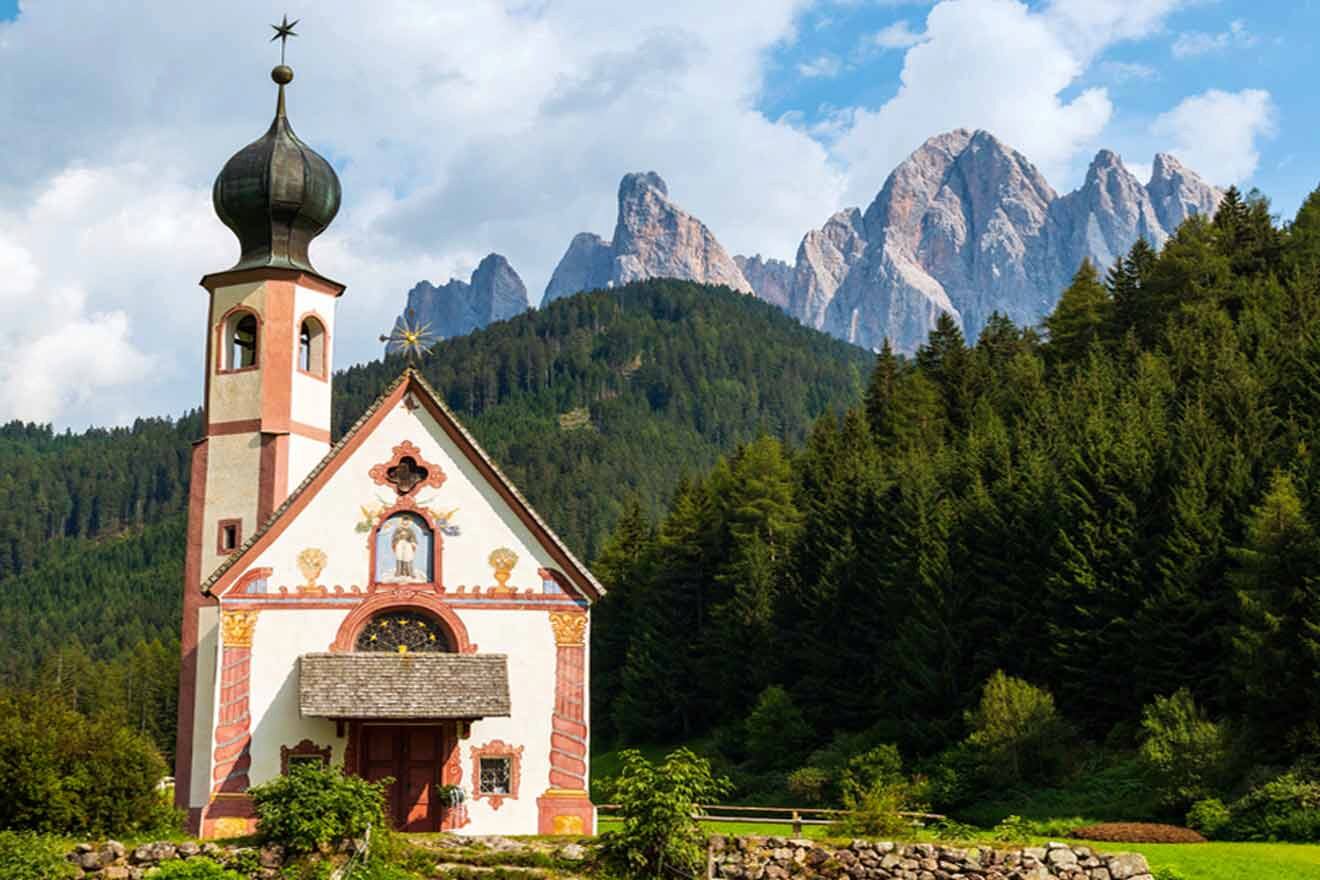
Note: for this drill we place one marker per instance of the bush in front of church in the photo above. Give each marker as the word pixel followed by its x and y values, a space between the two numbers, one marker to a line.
pixel 65 773
pixel 315 808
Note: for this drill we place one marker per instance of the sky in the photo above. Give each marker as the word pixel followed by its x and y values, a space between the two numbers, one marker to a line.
pixel 461 128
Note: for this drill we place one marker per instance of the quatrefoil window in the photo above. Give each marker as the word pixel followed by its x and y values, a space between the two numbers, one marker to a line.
pixel 406 475
pixel 407 470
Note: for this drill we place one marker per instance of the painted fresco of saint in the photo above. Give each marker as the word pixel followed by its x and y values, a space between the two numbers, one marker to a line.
pixel 404 544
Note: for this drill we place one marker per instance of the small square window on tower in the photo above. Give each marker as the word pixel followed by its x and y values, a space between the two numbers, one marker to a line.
pixel 230 536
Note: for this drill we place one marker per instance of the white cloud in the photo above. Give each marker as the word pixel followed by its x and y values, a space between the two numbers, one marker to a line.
pixel 1193 43
pixel 898 35
pixel 1005 67
pixel 1217 132
pixel 457 129
pixel 1127 71
pixel 822 66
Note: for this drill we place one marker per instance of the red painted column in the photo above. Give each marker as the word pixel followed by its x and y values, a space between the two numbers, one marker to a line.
pixel 565 807
pixel 230 805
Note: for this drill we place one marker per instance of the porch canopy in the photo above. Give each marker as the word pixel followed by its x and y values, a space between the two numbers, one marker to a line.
pixel 403 686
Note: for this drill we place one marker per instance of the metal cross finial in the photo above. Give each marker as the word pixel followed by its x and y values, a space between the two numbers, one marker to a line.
pixel 283 31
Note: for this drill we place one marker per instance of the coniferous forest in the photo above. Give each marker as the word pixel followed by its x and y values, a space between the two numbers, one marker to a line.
pixel 812 551
pixel 588 401
pixel 1119 508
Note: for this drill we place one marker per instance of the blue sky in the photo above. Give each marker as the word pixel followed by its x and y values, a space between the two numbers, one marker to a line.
pixel 460 129
pixel 852 54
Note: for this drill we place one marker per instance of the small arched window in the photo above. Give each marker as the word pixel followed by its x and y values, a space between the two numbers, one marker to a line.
pixel 311 347
pixel 241 341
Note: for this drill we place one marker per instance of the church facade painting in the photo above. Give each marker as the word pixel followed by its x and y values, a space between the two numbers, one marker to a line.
pixel 335 611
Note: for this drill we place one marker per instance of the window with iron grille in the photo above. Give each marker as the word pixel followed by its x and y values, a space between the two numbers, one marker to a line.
pixel 496 775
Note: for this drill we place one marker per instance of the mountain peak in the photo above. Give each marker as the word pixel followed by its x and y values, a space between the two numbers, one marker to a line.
pixel 1107 159
pixel 494 292
pixel 638 182
pixel 653 238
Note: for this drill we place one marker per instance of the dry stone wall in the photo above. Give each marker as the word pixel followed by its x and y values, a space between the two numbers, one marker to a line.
pixel 776 858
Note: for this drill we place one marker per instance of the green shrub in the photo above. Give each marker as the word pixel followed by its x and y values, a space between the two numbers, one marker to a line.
pixel 195 868
pixel 65 773
pixel 777 733
pixel 1208 816
pixel 1185 753
pixel 659 834
pixel 876 812
pixel 1012 829
pixel 1285 808
pixel 314 807
pixel 27 856
pixel 1015 728
pixel 881 767
pixel 809 784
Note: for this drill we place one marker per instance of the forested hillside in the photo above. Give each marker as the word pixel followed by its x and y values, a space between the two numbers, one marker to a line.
pixel 1116 508
pixel 596 398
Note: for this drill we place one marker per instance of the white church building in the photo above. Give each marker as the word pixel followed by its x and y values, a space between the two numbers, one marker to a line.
pixel 390 602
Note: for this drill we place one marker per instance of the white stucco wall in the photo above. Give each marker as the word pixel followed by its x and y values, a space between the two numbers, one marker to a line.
pixel 233 463
pixel 310 404
pixel 329 522
pixel 208 624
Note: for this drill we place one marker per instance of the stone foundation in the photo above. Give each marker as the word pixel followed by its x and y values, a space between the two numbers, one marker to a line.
pixel 113 861
pixel 777 858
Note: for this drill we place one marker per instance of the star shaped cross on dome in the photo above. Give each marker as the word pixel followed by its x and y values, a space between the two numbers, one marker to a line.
pixel 283 31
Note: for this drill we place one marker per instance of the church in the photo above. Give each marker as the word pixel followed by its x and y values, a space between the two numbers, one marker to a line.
pixel 389 602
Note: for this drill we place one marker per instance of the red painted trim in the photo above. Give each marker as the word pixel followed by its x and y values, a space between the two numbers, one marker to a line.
pixel 277 382
pixel 496 749
pixel 460 439
pixel 193 600
pixel 309 280
pixel 237 426
pixel 222 351
pixel 406 504
pixel 324 374
pixel 310 431
pixel 584 590
pixel 248 577
pixel 220 547
pixel 252 426
pixel 415 601
pixel 379 473
pixel 273 482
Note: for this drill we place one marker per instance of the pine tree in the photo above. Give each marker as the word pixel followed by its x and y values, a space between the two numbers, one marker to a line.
pixel 1278 637
pixel 1081 317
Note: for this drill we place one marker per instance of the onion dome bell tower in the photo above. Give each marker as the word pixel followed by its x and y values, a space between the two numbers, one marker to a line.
pixel 276 194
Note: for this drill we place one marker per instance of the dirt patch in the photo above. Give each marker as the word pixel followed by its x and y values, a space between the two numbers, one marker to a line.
pixel 1138 832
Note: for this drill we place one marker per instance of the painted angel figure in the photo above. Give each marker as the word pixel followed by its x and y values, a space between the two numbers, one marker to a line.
pixel 404 544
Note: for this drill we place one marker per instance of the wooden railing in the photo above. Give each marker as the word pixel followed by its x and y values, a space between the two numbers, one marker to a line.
pixel 795 816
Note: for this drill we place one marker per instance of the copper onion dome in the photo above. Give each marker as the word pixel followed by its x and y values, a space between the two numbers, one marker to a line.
pixel 276 194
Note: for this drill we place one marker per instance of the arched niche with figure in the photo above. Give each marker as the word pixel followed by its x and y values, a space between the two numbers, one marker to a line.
pixel 405 551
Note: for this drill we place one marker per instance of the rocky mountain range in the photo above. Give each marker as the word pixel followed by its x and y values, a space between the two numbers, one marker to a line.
pixel 965 225
pixel 653 238
pixel 493 293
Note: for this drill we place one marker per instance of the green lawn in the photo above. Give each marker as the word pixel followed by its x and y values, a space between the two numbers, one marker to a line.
pixel 1228 861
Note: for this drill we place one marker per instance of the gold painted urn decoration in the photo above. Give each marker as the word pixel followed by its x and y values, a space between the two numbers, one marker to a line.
pixel 502 559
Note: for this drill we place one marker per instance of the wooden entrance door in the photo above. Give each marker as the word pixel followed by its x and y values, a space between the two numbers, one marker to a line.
pixel 413 756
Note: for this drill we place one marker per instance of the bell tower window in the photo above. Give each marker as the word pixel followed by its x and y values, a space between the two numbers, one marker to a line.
pixel 240 341
pixel 311 347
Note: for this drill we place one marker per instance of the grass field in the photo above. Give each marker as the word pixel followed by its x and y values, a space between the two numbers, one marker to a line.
pixel 1199 861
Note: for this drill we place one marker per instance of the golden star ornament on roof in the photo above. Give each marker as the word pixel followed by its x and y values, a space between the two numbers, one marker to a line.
pixel 410 337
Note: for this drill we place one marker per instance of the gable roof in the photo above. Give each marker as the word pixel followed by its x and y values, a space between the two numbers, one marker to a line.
pixel 410 380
